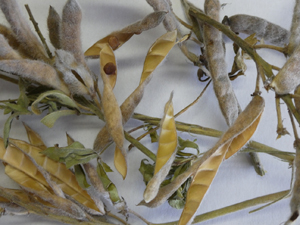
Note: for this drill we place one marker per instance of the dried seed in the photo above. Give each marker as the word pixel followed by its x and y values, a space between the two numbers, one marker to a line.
pixel 117 38
pixel 264 29
pixel 110 68
pixel 215 55
pixel 108 63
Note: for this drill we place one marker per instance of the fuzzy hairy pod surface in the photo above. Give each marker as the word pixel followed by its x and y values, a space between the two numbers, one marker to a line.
pixel 295 29
pixel 242 23
pixel 54 27
pixel 27 39
pixel 35 71
pixel 7 52
pixel 288 78
pixel 215 56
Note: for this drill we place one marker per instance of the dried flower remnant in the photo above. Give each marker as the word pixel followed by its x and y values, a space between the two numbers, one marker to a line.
pixel 117 38
pixel 35 71
pixel 288 78
pixel 166 151
pixel 27 39
pixel 54 27
pixel 237 135
pixel 215 56
pixel 247 24
pixel 294 40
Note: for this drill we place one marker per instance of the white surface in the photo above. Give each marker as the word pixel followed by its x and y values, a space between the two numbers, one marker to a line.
pixel 236 180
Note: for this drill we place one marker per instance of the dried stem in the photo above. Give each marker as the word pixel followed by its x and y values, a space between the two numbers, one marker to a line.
pixel 280 129
pixel 273 47
pixel 239 41
pixel 37 29
pixel 288 101
pixel 12 80
pixel 140 217
pixel 235 207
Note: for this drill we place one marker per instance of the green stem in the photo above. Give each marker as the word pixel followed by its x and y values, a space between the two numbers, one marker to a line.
pixel 288 101
pixel 140 146
pixel 235 207
pixel 239 41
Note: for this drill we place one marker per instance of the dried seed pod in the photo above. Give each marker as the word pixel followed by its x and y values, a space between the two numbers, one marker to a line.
pixel 21 29
pixel 35 71
pixel 170 22
pixel 288 78
pixel 117 38
pixel 215 56
pixel 10 37
pixel 247 24
pixel 166 152
pixel 113 118
pixel 70 39
pixel 109 64
pixel 34 138
pixel 294 40
pixel 77 77
pixel 7 52
pixel 54 23
pixel 157 52
pixel 236 137
pixel 64 178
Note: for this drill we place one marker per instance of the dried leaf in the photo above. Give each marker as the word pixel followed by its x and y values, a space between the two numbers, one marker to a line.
pixel 64 178
pixel 71 155
pixel 80 177
pixel 51 118
pixel 108 63
pixel 56 96
pixel 109 186
pixel 7 127
pixel 157 52
pixel 182 144
pixel 34 138
pixel 118 38
pixel 54 23
pixel 238 134
pixel 166 152
pixel 35 71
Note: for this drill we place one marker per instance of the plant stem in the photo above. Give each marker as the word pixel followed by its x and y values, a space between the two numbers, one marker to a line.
pixel 12 80
pixel 288 101
pixel 239 41
pixel 257 164
pixel 140 146
pixel 234 208
pixel 139 216
pixel 37 29
pixel 273 47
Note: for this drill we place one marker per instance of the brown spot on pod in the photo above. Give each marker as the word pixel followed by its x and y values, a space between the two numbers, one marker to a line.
pixel 110 68
pixel 114 42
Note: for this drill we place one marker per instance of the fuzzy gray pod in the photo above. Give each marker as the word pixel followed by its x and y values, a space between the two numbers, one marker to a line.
pixel 247 24
pixel 7 52
pixel 295 29
pixel 288 78
pixel 215 55
pixel 54 23
pixel 21 29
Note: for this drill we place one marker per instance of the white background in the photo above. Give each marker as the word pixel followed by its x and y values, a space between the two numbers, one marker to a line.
pixel 236 180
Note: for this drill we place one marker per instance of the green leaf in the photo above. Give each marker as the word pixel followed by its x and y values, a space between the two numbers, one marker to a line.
pixel 56 96
pixel 147 170
pixel 51 118
pixel 153 135
pixel 80 177
pixel 182 144
pixel 106 167
pixel 7 127
pixel 71 155
pixel 109 186
pixel 177 203
pixel 23 100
